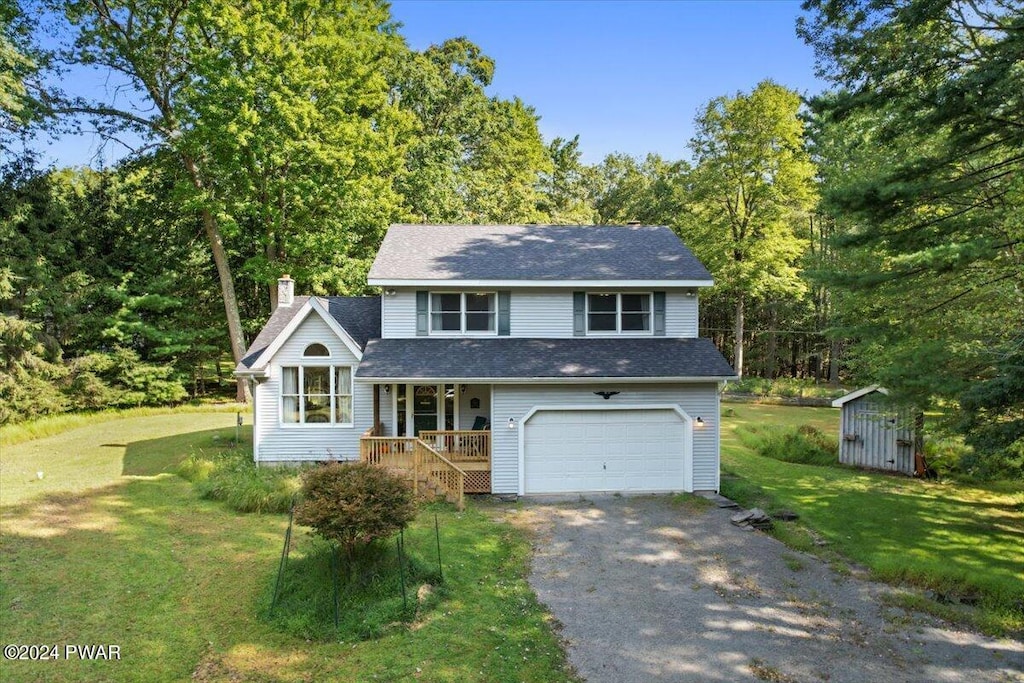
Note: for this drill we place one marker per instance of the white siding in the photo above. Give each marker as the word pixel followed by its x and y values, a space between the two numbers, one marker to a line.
pixel 541 313
pixel 398 314
pixel 680 315
pixel 697 400
pixel 538 313
pixel 277 443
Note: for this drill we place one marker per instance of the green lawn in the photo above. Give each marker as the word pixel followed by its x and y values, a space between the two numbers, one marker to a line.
pixel 963 541
pixel 110 548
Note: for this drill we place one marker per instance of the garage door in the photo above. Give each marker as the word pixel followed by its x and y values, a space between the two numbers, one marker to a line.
pixel 604 450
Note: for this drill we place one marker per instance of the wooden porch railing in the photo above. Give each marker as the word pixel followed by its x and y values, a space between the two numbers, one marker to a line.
pixel 410 454
pixel 460 444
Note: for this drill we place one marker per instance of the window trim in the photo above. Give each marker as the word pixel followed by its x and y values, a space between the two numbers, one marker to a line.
pixel 618 331
pixel 334 394
pixel 305 351
pixel 493 312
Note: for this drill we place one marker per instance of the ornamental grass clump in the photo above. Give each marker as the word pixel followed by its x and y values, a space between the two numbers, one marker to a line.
pixel 354 504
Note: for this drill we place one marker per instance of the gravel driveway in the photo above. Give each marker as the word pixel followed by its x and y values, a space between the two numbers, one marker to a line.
pixel 648 590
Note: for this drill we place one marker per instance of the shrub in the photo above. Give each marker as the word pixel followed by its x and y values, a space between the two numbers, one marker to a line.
pixel 231 477
pixel 354 504
pixel 805 444
pixel 121 379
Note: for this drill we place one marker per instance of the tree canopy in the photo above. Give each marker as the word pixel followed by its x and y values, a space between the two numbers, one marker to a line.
pixel 922 148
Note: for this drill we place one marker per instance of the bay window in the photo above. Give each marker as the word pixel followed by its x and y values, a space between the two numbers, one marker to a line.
pixel 316 394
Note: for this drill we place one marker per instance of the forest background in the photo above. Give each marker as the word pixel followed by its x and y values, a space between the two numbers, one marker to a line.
pixel 870 233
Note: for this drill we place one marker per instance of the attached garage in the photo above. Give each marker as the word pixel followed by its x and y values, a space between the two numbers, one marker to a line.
pixel 628 449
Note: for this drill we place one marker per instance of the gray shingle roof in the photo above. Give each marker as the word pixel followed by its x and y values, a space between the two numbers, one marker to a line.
pixel 359 315
pixel 521 358
pixel 534 252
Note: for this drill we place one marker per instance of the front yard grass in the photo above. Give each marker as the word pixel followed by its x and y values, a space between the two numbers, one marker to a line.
pixel 963 543
pixel 110 547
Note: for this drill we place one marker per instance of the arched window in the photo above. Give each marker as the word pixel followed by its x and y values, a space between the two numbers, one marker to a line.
pixel 316 350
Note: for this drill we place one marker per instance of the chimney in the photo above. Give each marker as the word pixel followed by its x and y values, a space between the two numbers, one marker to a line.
pixel 285 290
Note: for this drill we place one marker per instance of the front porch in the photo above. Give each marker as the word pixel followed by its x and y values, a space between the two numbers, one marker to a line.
pixel 450 422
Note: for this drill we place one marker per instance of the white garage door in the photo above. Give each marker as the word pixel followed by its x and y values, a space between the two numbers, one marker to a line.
pixel 604 450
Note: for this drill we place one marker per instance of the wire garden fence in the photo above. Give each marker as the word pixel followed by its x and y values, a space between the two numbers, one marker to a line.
pixel 323 592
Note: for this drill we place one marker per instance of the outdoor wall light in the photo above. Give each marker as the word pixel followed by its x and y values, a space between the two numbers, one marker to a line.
pixel 606 394
pixel 387 388
pixel 389 292
pixel 700 421
pixel 511 423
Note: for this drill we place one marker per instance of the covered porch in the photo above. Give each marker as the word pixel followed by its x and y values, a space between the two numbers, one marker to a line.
pixel 452 420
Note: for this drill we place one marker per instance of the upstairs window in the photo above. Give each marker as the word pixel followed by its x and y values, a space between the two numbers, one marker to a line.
pixel 316 394
pixel 618 313
pixel 463 312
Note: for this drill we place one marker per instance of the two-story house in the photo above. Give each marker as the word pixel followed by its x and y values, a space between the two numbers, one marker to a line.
pixel 539 359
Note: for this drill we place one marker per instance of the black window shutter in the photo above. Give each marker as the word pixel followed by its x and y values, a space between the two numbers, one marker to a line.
pixel 659 314
pixel 579 314
pixel 504 313
pixel 422 326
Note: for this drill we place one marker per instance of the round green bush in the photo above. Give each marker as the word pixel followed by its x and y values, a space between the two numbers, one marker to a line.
pixel 354 503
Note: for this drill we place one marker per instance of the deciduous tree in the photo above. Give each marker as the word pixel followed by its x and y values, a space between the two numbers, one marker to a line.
pixel 750 191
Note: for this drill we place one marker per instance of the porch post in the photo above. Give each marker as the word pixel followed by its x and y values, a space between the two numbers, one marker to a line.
pixel 376 409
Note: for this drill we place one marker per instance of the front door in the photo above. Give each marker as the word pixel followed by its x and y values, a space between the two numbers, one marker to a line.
pixel 424 408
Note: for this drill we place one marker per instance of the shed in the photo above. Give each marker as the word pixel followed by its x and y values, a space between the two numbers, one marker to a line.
pixel 877 433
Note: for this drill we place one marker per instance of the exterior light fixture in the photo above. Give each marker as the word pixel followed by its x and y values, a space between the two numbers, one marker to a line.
pixel 387 388
pixel 511 423
pixel 700 421
pixel 605 394
pixel 389 292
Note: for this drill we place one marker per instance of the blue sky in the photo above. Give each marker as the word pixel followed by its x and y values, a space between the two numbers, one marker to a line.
pixel 625 75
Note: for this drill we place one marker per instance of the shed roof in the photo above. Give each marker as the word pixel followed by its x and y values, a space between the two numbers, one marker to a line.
pixel 553 359
pixel 534 253
pixel 854 395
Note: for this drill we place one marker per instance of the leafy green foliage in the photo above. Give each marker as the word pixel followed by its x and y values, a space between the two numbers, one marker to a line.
pixel 120 380
pixel 29 375
pixel 469 158
pixel 783 388
pixel 752 188
pixel 920 147
pixel 354 503
pixel 19 62
pixel 805 444
pixel 567 192
pixel 231 476
pixel 370 603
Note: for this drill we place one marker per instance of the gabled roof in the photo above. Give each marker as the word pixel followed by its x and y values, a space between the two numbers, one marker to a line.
pixel 854 395
pixel 358 317
pixel 517 358
pixel 534 254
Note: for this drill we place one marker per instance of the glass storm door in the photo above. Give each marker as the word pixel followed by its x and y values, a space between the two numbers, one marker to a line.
pixel 424 408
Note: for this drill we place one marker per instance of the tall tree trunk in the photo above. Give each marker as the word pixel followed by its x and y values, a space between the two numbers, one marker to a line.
pixel 738 353
pixel 833 362
pixel 227 284
pixel 773 342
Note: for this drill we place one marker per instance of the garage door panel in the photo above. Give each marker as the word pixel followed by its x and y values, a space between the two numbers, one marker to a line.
pixel 604 450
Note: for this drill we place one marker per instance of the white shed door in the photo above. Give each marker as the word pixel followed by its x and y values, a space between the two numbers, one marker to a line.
pixel 603 450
